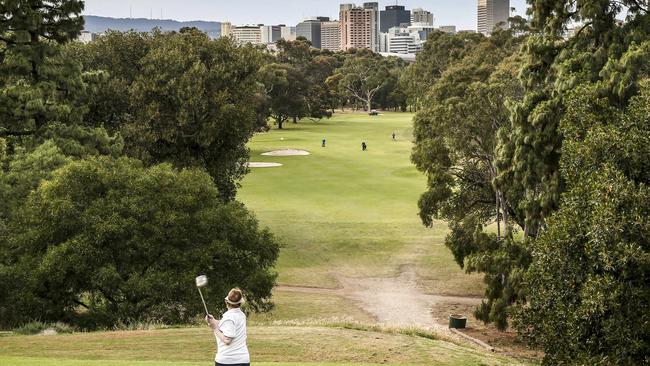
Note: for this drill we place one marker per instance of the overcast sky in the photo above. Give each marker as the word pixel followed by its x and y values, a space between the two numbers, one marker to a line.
pixel 461 13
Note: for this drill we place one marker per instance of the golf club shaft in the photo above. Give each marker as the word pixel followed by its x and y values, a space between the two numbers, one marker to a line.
pixel 204 306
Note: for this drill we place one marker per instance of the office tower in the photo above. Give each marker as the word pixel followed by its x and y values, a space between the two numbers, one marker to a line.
pixel 393 16
pixel 330 35
pixel 271 33
pixel 288 33
pixel 247 34
pixel 359 26
pixel 420 15
pixel 310 28
pixel 492 13
pixel 226 29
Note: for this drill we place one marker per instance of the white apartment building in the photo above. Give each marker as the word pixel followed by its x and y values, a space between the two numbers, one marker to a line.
pixel 226 29
pixel 288 33
pixel 87 37
pixel 330 35
pixel 271 33
pixel 247 34
pixel 401 40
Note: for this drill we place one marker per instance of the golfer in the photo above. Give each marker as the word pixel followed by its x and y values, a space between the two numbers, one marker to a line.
pixel 230 332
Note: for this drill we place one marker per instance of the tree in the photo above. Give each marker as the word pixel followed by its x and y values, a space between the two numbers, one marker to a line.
pixel 37 85
pixel 455 140
pixel 362 76
pixel 588 284
pixel 205 116
pixel 285 87
pixel 530 156
pixel 125 242
pixel 112 63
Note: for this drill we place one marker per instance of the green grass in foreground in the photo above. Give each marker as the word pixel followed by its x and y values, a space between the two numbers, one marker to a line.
pixel 277 345
pixel 341 211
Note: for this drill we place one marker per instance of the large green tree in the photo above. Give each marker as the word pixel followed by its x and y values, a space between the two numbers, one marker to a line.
pixel 455 141
pixel 362 76
pixel 124 243
pixel 589 283
pixel 177 97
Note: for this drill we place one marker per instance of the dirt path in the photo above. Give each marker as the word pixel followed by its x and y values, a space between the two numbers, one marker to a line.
pixel 394 301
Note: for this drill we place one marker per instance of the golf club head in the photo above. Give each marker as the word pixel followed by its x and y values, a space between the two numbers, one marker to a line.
pixel 201 281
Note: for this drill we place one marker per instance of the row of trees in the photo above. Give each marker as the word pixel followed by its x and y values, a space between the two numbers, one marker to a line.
pixel 119 164
pixel 300 81
pixel 536 148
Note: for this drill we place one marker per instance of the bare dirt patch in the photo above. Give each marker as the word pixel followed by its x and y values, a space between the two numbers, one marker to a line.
pixel 399 302
pixel 286 152
pixel 253 164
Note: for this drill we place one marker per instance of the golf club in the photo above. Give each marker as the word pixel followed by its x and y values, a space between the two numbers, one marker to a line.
pixel 201 281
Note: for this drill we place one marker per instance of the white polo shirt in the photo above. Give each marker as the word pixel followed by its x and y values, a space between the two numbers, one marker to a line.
pixel 233 325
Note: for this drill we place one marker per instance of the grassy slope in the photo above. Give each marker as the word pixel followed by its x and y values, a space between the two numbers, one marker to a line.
pixel 308 345
pixel 341 211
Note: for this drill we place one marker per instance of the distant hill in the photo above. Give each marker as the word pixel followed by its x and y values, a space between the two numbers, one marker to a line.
pixel 97 24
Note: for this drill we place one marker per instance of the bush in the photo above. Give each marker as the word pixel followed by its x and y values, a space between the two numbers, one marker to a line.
pixel 124 243
pixel 37 327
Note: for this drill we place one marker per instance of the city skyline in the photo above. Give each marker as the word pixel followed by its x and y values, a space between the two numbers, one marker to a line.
pixel 462 13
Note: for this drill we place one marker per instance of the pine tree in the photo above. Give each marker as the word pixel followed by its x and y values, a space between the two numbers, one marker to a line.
pixel 37 85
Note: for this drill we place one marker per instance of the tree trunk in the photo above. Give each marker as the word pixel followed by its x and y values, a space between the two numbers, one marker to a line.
pixel 369 105
pixel 498 204
pixel 295 119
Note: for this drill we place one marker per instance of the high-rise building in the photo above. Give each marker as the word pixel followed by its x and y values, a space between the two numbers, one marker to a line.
pixel 393 16
pixel 288 33
pixel 226 29
pixel 330 35
pixel 310 28
pixel 420 15
pixel 247 34
pixel 492 13
pixel 271 33
pixel 360 26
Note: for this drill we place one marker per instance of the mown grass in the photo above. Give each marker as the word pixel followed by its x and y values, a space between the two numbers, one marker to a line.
pixel 300 345
pixel 344 212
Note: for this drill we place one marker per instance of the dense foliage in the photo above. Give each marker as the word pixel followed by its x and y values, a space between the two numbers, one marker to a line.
pixel 176 97
pixel 107 240
pixel 588 282
pixel 549 201
pixel 93 230
pixel 455 142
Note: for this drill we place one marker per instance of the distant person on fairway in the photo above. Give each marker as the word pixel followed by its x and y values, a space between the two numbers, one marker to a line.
pixel 230 332
pixel 364 147
pixel 393 136
pixel 324 142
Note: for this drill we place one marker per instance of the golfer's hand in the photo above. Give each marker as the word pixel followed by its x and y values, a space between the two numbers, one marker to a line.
pixel 212 321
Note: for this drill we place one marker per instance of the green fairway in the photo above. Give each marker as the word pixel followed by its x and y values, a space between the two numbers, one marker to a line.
pixel 342 211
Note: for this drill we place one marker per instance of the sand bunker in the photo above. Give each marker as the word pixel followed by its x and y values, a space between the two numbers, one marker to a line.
pixel 286 152
pixel 262 165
